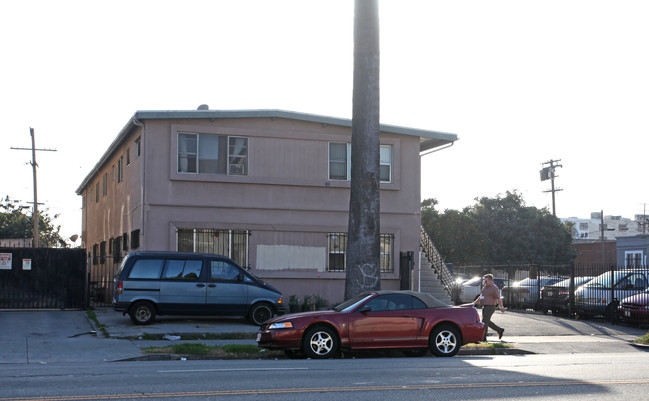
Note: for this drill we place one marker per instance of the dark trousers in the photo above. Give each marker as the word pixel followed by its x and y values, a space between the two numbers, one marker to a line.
pixel 487 311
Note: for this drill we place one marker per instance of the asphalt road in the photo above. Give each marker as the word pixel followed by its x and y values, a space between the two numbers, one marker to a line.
pixel 589 376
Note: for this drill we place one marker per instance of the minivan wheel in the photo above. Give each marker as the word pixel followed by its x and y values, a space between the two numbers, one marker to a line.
pixel 260 312
pixel 142 312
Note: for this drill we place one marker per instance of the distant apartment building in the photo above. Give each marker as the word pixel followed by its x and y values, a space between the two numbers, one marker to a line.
pixel 16 243
pixel 268 188
pixel 632 251
pixel 614 226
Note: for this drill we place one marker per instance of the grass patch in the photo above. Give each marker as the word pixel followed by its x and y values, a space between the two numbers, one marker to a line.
pixel 100 326
pixel 492 348
pixel 642 340
pixel 230 351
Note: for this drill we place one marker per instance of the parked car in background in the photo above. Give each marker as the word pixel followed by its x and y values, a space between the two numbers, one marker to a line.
pixel 414 322
pixel 556 297
pixel 635 309
pixel 601 295
pixel 524 294
pixel 150 283
pixel 470 289
pixel 460 278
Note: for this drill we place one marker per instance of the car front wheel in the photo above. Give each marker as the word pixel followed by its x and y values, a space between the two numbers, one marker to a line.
pixel 320 342
pixel 444 341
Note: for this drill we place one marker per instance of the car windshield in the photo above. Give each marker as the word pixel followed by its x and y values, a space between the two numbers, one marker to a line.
pixel 472 282
pixel 350 304
pixel 604 280
pixel 566 283
pixel 526 282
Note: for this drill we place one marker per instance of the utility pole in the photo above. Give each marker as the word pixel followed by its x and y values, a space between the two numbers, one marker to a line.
pixel 35 241
pixel 548 173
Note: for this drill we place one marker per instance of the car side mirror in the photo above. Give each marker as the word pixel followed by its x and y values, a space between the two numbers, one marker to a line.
pixel 365 308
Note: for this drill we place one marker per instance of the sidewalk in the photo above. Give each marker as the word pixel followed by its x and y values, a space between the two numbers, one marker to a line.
pixel 69 336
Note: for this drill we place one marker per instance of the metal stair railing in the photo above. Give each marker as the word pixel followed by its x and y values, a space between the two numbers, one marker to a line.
pixel 436 261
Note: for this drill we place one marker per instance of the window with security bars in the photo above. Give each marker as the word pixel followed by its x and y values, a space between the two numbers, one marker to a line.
pixel 231 243
pixel 337 249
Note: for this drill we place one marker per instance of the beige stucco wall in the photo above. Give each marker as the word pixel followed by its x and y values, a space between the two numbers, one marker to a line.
pixel 287 201
pixel 120 210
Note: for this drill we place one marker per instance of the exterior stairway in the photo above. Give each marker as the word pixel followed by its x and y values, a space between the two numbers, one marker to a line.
pixel 435 276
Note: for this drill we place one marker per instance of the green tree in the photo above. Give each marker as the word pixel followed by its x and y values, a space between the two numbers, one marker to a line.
pixel 455 234
pixel 14 223
pixel 516 233
pixel 500 230
pixel 363 241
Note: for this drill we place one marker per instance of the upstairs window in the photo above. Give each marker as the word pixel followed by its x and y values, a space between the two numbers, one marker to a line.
pixel 340 162
pixel 120 169
pixel 386 163
pixel 138 147
pixel 212 154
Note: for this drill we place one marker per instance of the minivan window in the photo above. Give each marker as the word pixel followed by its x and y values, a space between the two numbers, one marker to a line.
pixel 632 282
pixel 146 268
pixel 182 269
pixel 222 270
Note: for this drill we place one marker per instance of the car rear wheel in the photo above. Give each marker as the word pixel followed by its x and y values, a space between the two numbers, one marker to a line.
pixel 142 312
pixel 444 341
pixel 260 312
pixel 320 342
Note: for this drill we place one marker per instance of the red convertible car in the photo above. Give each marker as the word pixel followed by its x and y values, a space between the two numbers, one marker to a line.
pixel 407 320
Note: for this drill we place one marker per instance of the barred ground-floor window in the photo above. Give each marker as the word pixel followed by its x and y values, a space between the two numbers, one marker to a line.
pixel 231 243
pixel 337 250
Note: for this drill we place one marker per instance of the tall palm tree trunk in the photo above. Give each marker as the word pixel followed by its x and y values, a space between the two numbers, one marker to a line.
pixel 363 247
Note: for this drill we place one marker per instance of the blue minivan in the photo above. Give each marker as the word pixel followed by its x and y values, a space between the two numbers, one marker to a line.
pixel 150 283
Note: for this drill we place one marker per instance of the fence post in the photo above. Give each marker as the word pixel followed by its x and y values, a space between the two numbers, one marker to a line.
pixel 611 308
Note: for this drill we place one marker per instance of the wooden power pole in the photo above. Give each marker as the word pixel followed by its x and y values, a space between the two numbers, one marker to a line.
pixel 35 241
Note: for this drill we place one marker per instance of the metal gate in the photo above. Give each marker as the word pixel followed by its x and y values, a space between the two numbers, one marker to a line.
pixel 42 278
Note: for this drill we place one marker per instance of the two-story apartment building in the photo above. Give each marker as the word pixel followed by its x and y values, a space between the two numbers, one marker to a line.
pixel 268 188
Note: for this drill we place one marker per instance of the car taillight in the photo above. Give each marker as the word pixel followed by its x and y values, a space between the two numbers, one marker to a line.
pixel 564 292
pixel 120 287
pixel 524 291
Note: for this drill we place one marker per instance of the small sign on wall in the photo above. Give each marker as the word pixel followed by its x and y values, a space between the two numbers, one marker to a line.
pixel 27 264
pixel 5 261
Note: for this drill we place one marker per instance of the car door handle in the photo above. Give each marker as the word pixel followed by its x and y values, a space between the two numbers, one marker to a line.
pixel 211 285
pixel 200 285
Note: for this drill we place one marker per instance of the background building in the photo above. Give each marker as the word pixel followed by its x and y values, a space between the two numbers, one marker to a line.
pixel 268 188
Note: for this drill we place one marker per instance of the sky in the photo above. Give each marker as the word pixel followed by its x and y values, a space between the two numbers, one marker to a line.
pixel 519 82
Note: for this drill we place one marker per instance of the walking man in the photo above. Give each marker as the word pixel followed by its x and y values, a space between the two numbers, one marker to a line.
pixel 490 298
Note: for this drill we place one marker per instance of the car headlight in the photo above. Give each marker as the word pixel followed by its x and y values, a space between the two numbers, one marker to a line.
pixel 282 325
